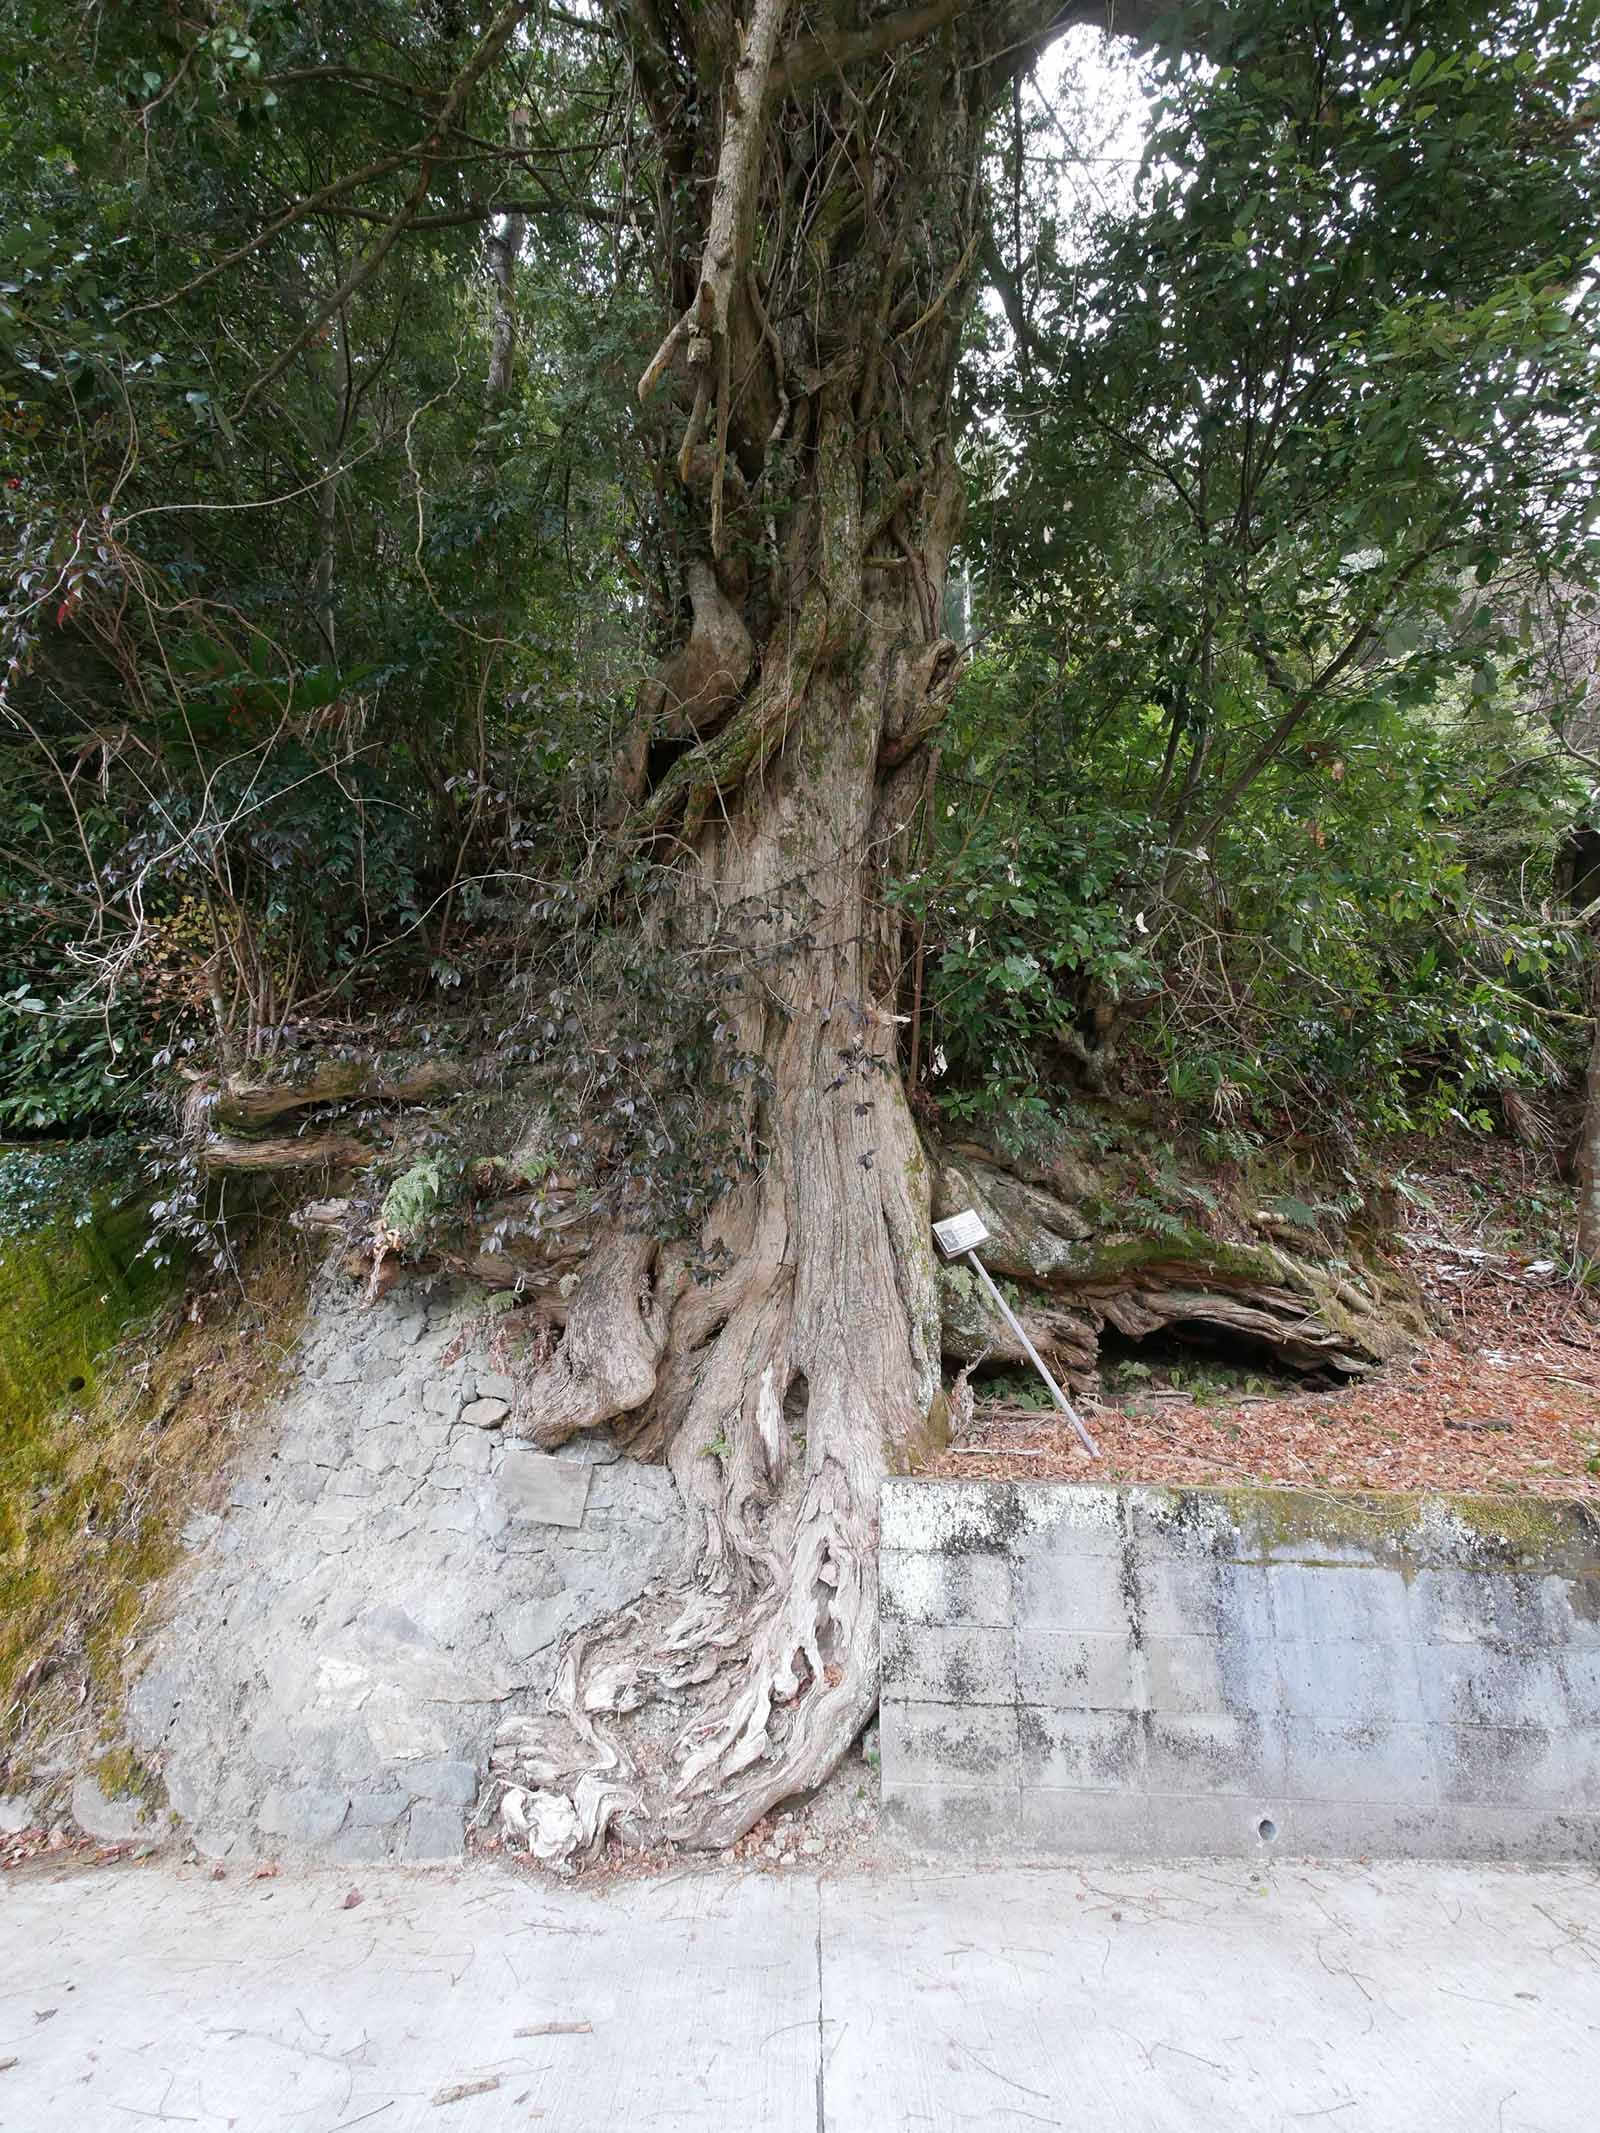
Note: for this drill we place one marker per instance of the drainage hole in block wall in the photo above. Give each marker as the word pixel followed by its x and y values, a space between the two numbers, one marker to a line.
pixel 1266 1829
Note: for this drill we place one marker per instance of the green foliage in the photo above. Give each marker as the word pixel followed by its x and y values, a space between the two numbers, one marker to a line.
pixel 45 1187
pixel 1030 919
pixel 636 1039
pixel 291 651
pixel 60 1058
pixel 1017 1388
pixel 412 1201
pixel 312 652
pixel 1254 795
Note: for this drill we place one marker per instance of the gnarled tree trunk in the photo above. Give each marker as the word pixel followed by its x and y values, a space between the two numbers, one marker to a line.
pixel 822 213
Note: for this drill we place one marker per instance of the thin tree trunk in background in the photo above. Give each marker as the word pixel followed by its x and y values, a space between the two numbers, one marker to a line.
pixel 327 560
pixel 505 248
pixel 1589 1136
pixel 324 573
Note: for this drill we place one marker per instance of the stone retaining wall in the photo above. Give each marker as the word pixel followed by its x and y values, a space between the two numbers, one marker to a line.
pixel 1149 1672
pixel 389 1579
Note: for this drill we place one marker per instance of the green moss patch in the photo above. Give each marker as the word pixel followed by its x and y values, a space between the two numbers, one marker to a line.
pixel 95 1488
pixel 121 1776
pixel 1408 1529
pixel 67 1291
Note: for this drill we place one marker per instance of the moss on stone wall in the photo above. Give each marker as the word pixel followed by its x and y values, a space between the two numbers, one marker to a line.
pixel 1407 1528
pixel 96 1480
pixel 121 1776
pixel 67 1291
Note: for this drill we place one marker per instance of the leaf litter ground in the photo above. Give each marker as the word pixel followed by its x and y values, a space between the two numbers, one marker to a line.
pixel 1504 1399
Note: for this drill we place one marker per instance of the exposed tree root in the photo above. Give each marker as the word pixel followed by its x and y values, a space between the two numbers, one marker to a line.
pixel 741 1679
pixel 616 1331
pixel 786 1386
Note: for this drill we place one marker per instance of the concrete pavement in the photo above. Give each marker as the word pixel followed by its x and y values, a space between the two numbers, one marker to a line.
pixel 1167 1999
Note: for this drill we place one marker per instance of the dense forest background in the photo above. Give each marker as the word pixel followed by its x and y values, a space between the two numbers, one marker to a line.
pixel 336 549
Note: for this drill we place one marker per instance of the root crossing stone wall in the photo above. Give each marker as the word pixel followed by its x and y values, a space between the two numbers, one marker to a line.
pixel 1152 1672
pixel 391 1578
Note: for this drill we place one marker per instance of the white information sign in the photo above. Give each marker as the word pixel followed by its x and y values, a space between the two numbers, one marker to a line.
pixel 959 1237
pixel 960 1233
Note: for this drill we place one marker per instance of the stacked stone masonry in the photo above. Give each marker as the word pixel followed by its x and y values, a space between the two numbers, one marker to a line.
pixel 391 1577
pixel 1149 1672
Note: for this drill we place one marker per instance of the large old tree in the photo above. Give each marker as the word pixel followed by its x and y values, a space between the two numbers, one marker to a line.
pixel 819 211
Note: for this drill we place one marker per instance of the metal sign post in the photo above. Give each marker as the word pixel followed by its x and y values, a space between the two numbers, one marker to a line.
pixel 959 1237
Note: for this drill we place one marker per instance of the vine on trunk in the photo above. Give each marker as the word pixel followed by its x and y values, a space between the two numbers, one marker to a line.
pixel 815 313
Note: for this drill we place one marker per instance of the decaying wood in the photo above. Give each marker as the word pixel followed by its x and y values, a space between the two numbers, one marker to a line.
pixel 1074 1279
pixel 221 1120
pixel 311 1151
pixel 239 1104
pixel 320 1214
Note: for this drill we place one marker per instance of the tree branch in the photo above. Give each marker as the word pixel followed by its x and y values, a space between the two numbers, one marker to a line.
pixel 1021 29
pixel 738 168
pixel 1303 700
pixel 490 46
pixel 831 51
pixel 241 1104
pixel 327 1151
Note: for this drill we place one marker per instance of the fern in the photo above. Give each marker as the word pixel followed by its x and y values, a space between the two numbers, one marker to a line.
pixel 1155 1220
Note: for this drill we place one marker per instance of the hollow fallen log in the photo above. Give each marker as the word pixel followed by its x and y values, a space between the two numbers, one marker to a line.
pixel 1071 1282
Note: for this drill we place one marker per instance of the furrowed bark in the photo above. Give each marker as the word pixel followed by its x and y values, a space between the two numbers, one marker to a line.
pixel 816 496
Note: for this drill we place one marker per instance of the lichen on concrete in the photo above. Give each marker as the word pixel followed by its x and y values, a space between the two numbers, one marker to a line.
pixel 1166 1671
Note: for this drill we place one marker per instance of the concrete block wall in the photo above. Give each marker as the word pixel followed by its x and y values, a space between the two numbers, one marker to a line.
pixel 1149 1672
